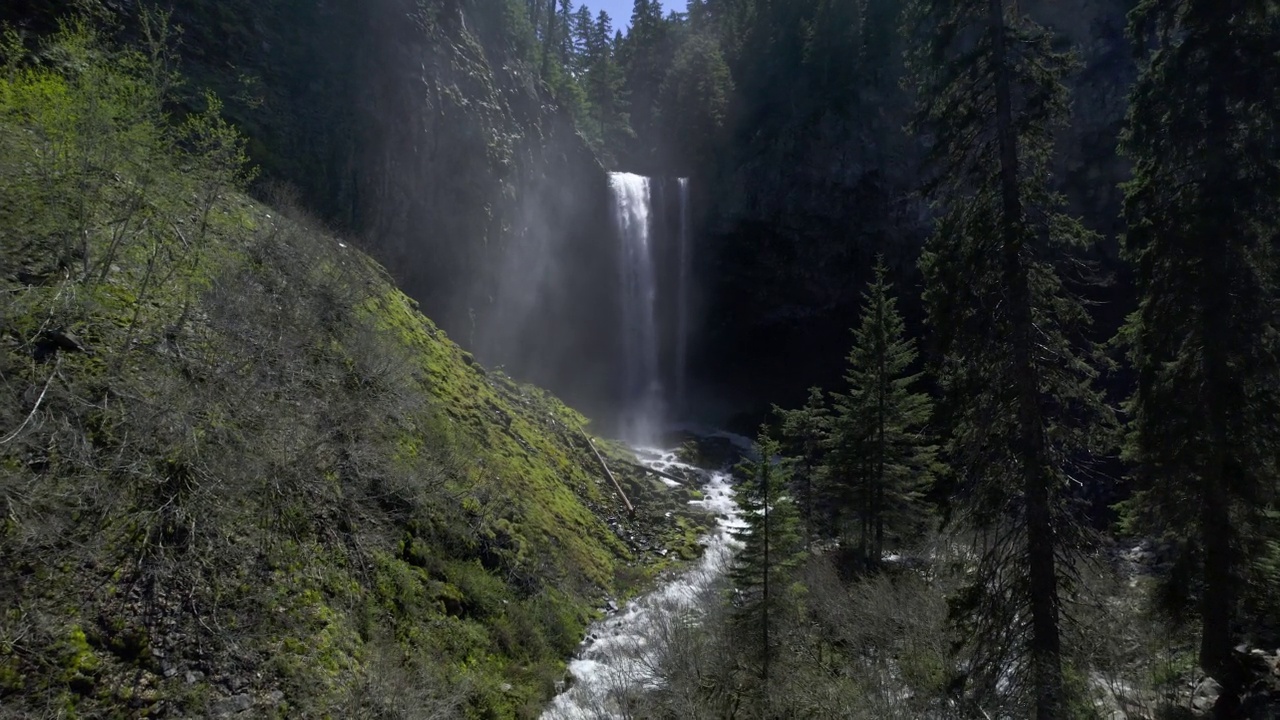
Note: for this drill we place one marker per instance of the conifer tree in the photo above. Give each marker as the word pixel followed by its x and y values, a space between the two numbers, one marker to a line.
pixel 1203 212
pixel 603 82
pixel 880 454
pixel 645 56
pixel 762 569
pixel 694 100
pixel 1021 407
pixel 804 434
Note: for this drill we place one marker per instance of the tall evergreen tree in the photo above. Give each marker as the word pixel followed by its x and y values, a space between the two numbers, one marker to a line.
pixel 762 570
pixel 1021 404
pixel 880 454
pixel 582 28
pixel 604 83
pixel 804 434
pixel 694 101
pixel 645 56
pixel 1204 213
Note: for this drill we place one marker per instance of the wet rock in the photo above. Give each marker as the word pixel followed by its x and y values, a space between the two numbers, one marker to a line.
pixel 1205 696
pixel 230 706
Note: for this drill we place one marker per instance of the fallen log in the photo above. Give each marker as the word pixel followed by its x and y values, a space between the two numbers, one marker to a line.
pixel 631 511
pixel 655 471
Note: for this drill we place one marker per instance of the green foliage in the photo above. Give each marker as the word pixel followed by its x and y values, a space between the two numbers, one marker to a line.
pixel 645 56
pixel 1016 367
pixel 230 444
pixel 763 570
pixel 603 80
pixel 1205 341
pixel 694 101
pixel 805 433
pixel 880 460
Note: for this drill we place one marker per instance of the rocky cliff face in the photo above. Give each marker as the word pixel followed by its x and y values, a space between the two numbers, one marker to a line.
pixel 480 195
pixel 421 128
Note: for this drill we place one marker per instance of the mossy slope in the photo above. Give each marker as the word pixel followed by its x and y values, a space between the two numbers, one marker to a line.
pixel 240 473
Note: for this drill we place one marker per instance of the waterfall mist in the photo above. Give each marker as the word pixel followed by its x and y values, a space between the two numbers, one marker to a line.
pixel 641 410
pixel 590 298
pixel 655 271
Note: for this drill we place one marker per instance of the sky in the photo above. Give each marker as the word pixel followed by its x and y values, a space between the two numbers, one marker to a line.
pixel 620 10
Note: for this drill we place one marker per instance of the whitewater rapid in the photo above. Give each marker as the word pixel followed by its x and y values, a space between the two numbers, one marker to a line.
pixel 623 650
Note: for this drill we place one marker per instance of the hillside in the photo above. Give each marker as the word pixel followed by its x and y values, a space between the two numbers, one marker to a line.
pixel 240 471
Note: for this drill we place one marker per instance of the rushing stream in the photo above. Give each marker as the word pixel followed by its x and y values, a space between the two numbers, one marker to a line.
pixel 621 651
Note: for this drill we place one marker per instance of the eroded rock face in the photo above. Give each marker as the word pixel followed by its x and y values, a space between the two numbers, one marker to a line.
pixel 480 196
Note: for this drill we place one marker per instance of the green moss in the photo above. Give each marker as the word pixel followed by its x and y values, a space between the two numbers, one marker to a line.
pixel 79 665
pixel 281 507
pixel 11 678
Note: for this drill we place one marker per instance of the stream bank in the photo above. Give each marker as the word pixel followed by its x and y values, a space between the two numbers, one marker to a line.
pixel 622 653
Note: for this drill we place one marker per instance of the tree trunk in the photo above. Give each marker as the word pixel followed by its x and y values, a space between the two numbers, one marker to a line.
pixel 868 512
pixel 1218 572
pixel 1046 648
pixel 631 511
pixel 764 605
pixel 881 390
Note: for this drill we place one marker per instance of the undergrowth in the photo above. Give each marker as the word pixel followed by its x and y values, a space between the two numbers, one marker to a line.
pixel 239 471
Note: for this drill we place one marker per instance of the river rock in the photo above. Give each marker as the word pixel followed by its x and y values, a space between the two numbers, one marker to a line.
pixel 1205 696
pixel 230 706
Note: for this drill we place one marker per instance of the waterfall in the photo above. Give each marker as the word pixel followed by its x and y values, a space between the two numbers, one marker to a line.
pixel 682 299
pixel 622 653
pixel 655 279
pixel 642 387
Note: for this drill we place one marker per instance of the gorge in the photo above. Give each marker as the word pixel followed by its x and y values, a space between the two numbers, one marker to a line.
pixel 360 358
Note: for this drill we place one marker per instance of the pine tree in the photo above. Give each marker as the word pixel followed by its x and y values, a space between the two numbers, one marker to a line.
pixel 804 434
pixel 880 454
pixel 694 100
pixel 604 83
pixel 583 31
pixel 1203 212
pixel 645 56
pixel 1017 386
pixel 762 569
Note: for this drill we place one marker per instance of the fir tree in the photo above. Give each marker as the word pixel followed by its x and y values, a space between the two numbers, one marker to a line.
pixel 1203 212
pixel 694 100
pixel 804 434
pixel 645 56
pixel 604 83
pixel 880 454
pixel 763 568
pixel 1018 390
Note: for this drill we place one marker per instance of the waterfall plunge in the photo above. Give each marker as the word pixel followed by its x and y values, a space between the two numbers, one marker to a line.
pixel 655 270
pixel 682 298
pixel 642 384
